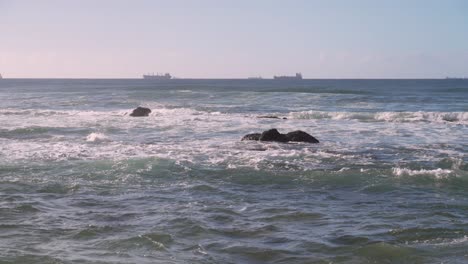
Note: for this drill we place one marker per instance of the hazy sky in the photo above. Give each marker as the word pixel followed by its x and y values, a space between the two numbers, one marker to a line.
pixel 222 38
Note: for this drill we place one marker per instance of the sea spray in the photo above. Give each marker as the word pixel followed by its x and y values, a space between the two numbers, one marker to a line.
pixel 97 137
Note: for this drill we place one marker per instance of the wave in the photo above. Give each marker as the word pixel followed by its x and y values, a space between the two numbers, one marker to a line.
pixel 35 112
pixel 157 110
pixel 97 137
pixel 432 117
pixel 316 90
pixel 46 113
pixel 161 110
pixel 437 173
pixel 166 116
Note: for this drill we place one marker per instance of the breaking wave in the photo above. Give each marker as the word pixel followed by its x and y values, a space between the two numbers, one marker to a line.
pixel 420 116
pixel 97 137
pixel 156 110
pixel 432 117
pixel 437 173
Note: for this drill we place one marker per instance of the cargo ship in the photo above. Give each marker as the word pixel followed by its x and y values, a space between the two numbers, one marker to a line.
pixel 153 76
pixel 298 76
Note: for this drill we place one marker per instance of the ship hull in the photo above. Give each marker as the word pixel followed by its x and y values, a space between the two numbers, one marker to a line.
pixel 166 76
pixel 150 77
pixel 298 76
pixel 286 78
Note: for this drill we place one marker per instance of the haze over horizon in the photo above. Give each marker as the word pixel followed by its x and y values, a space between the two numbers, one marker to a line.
pixel 234 39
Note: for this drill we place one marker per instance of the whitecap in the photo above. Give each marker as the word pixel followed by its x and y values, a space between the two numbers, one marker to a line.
pixel 97 137
pixel 420 116
pixel 438 173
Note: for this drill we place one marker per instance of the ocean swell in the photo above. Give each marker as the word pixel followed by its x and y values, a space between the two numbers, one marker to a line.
pixel 431 117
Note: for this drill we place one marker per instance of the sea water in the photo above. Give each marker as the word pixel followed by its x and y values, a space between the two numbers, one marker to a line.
pixel 81 181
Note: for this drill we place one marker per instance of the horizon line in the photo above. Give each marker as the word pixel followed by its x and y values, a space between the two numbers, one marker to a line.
pixel 236 78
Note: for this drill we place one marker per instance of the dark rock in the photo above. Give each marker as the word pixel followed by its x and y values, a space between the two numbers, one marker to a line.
pixel 141 111
pixel 258 149
pixel 254 136
pixel 273 135
pixel 272 117
pixel 300 136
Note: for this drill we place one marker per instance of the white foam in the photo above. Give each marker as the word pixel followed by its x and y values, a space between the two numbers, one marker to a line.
pixel 194 136
pixel 456 241
pixel 437 117
pixel 19 119
pixel 97 137
pixel 438 173
pixel 444 242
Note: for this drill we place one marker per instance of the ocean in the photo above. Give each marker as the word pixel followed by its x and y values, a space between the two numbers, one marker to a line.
pixel 81 181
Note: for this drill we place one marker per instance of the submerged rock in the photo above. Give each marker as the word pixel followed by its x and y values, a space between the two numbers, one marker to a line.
pixel 274 135
pixel 300 136
pixel 254 136
pixel 272 117
pixel 141 111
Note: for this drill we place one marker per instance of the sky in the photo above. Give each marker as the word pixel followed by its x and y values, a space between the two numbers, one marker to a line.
pixel 234 38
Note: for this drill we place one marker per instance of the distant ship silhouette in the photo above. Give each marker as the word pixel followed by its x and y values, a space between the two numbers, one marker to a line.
pixel 298 76
pixel 153 76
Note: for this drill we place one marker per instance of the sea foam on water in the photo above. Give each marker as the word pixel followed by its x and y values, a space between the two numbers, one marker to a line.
pixel 97 137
